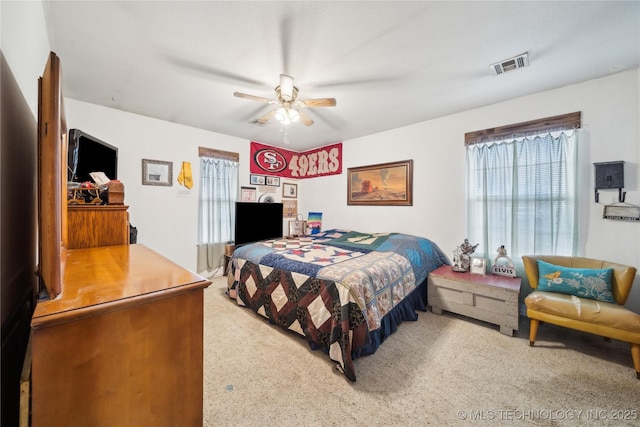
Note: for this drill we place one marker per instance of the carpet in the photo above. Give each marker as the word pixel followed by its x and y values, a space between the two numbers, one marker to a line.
pixel 440 370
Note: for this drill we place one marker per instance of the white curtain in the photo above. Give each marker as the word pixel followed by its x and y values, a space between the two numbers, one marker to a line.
pixel 216 213
pixel 521 194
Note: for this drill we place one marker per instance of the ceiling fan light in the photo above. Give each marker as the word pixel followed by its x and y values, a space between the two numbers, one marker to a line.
pixel 286 116
pixel 281 115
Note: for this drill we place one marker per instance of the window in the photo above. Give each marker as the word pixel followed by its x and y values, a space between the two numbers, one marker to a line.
pixel 216 207
pixel 521 193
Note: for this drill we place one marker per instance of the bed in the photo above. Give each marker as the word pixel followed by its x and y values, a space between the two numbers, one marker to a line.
pixel 343 290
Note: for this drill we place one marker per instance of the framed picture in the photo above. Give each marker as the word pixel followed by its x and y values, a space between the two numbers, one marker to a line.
pixel 386 184
pixel 478 266
pixel 273 181
pixel 290 208
pixel 157 172
pixel 289 190
pixel 256 179
pixel 248 194
pixel 314 222
pixel 267 189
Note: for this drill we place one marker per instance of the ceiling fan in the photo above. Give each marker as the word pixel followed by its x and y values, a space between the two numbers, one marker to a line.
pixel 289 108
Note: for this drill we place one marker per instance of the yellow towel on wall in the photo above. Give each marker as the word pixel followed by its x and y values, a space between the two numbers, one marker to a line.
pixel 185 178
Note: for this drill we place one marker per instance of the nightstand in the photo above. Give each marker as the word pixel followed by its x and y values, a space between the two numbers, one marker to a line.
pixel 228 252
pixel 490 298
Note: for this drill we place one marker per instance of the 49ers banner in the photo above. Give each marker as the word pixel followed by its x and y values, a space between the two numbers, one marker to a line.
pixel 268 160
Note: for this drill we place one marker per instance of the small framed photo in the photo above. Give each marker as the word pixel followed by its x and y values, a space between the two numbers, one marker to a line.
pixel 290 209
pixel 248 194
pixel 257 179
pixel 289 190
pixel 478 266
pixel 273 181
pixel 157 172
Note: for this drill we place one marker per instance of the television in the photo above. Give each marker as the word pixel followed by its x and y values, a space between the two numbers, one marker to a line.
pixel 88 154
pixel 257 221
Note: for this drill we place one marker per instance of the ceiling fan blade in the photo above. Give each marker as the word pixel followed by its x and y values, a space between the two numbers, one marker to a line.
pixel 286 87
pixel 252 97
pixel 201 69
pixel 320 102
pixel 264 119
pixel 305 119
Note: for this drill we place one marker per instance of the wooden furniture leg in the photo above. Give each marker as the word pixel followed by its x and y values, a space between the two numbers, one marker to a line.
pixel 533 331
pixel 635 355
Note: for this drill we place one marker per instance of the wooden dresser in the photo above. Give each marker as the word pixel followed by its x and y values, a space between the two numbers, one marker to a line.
pixel 90 226
pixel 122 345
pixel 119 341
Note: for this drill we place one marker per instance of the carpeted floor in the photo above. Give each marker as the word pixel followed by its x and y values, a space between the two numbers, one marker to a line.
pixel 441 370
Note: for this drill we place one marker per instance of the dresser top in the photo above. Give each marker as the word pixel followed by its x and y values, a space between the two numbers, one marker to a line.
pixel 99 279
pixel 507 283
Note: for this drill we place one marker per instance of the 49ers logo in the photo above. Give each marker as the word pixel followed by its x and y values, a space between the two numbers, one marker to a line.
pixel 270 160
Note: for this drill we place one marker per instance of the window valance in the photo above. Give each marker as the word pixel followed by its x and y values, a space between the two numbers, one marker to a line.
pixel 218 154
pixel 547 124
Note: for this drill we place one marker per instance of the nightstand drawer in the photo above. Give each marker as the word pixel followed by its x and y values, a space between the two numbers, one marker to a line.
pixel 475 288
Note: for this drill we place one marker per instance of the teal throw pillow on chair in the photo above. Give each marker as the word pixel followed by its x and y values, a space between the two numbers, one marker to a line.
pixel 581 282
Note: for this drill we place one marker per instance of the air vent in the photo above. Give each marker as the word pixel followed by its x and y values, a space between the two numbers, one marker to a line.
pixel 510 64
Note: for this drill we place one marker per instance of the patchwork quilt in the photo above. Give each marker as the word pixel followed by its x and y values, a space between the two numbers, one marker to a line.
pixel 334 287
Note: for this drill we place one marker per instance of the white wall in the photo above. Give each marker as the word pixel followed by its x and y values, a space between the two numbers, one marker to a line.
pixel 436 148
pixel 166 217
pixel 25 45
pixel 610 132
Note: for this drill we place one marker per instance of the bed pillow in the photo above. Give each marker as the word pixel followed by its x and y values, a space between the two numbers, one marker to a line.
pixel 581 282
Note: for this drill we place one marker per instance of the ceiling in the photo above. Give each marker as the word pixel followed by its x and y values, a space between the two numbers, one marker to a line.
pixel 388 63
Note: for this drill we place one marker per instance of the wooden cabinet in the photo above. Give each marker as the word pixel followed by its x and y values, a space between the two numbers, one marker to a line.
pixel 90 226
pixel 122 345
pixel 492 299
pixel 119 342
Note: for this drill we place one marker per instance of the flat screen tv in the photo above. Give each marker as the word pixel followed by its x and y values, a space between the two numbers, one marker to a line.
pixel 257 221
pixel 89 154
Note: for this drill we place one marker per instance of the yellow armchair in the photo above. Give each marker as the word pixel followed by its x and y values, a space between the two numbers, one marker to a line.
pixel 610 320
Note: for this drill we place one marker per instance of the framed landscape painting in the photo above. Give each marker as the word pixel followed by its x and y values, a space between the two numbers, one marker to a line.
pixel 385 184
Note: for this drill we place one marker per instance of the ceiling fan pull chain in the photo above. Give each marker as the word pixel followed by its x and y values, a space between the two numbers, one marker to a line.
pixel 285 129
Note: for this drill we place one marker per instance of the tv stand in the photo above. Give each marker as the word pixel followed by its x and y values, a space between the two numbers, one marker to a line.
pixel 91 226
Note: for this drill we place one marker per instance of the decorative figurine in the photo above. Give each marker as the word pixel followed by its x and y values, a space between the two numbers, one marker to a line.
pixel 462 256
pixel 457 262
pixel 507 270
